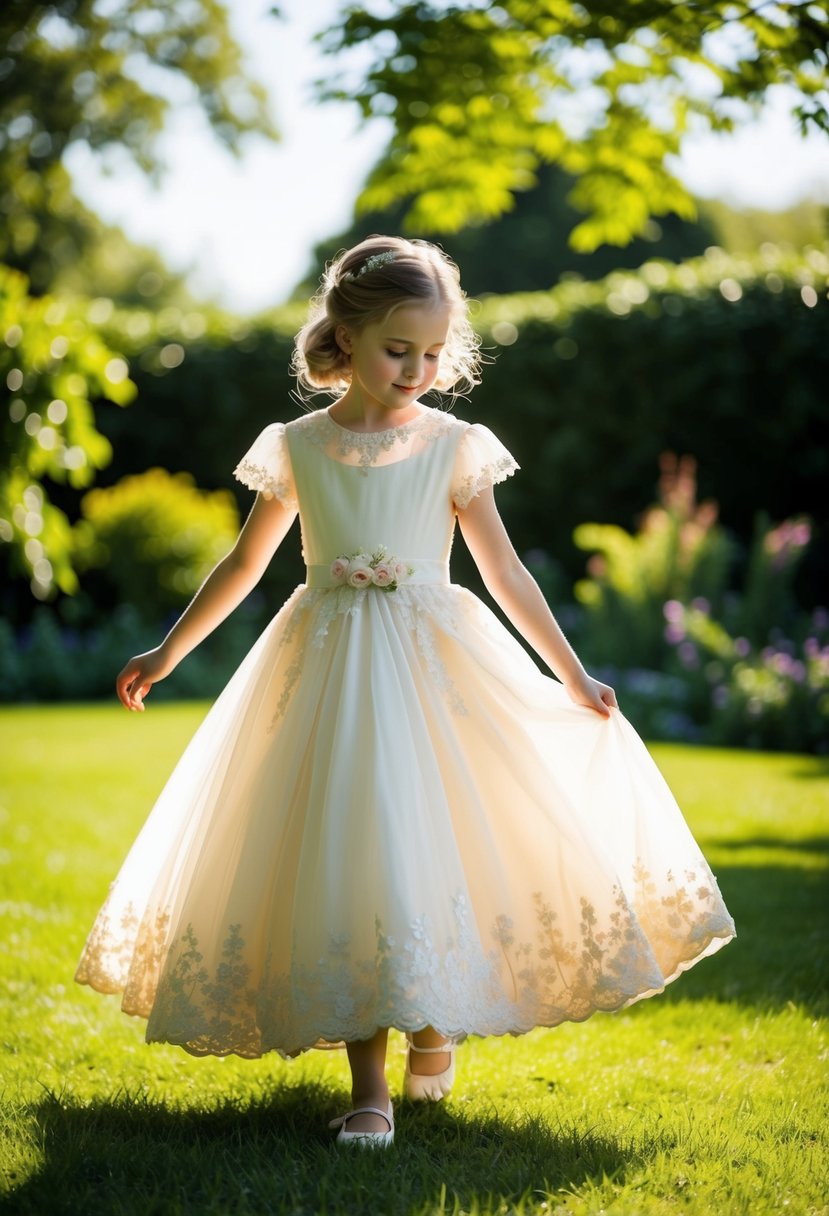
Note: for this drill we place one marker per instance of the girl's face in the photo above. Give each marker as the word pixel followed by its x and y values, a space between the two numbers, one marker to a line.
pixel 395 361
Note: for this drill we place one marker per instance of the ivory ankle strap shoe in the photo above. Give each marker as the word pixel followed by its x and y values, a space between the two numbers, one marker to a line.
pixel 436 1087
pixel 365 1139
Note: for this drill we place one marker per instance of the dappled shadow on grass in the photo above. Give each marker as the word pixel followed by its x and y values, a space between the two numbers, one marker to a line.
pixel 816 769
pixel 132 1155
pixel 795 844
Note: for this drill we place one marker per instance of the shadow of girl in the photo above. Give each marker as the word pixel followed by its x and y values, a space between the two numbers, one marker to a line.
pixel 129 1155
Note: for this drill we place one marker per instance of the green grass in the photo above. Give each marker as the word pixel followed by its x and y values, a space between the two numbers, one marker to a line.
pixel 709 1098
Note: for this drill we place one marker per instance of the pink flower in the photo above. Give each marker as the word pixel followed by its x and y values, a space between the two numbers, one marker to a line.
pixel 383 574
pixel 360 573
pixel 401 572
pixel 339 569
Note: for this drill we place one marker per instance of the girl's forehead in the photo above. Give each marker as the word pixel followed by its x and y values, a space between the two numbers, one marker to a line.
pixel 418 323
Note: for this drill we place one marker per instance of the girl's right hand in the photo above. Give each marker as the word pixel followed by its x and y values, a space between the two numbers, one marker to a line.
pixel 136 678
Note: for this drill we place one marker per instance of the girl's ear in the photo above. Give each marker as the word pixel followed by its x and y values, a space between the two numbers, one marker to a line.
pixel 343 339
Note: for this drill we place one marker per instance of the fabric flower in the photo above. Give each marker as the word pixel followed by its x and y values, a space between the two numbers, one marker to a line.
pixel 383 574
pixel 376 569
pixel 360 573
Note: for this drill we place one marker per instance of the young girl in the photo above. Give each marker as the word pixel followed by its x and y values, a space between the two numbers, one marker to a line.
pixel 390 817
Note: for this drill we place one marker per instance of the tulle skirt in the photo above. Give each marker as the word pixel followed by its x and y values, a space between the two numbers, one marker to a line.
pixel 391 817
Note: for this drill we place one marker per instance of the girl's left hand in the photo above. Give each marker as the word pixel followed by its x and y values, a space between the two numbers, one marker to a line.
pixel 584 690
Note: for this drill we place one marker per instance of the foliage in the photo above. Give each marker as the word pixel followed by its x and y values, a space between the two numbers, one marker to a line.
pixel 527 248
pixel 744 230
pixel 54 365
pixel 678 552
pixel 775 697
pixel 106 77
pixel 721 358
pixel 97 261
pixel 691 659
pixel 705 1099
pixel 54 660
pixel 153 538
pixel 479 96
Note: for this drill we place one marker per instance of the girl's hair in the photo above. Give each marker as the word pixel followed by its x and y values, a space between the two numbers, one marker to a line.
pixel 363 286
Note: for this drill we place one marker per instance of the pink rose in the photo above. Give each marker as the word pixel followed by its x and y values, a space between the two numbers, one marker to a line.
pixel 383 574
pixel 338 569
pixel 401 572
pixel 359 574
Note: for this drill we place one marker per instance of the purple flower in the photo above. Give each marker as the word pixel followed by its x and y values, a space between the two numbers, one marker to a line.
pixel 688 654
pixel 782 662
pixel 797 671
pixel 811 648
pixel 674 633
pixel 701 604
pixel 673 610
pixel 742 647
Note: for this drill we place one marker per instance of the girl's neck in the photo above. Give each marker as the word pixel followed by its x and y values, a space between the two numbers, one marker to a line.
pixel 359 416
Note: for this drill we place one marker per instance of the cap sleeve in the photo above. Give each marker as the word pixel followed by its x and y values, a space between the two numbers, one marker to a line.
pixel 266 466
pixel 482 460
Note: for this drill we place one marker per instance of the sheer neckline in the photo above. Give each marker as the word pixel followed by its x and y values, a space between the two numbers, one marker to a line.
pixel 386 430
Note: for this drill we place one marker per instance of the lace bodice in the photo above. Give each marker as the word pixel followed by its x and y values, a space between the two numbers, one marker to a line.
pixel 368 449
pixel 399 488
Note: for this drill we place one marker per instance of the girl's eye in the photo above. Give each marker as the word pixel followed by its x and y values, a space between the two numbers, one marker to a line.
pixel 396 354
pixel 433 358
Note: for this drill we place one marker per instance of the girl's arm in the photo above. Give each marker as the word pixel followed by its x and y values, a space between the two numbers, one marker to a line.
pixel 515 590
pixel 223 589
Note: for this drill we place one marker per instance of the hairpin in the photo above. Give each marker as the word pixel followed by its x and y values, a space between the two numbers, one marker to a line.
pixel 373 263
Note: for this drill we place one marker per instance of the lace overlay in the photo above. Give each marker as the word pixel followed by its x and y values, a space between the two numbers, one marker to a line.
pixel 266 467
pixel 489 475
pixel 390 816
pixel 369 449
pixel 424 610
pixel 493 982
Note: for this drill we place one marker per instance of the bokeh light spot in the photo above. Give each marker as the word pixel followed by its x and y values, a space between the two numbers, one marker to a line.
pixel 731 290
pixel 57 411
pixel 116 370
pixel 171 355
pixel 505 333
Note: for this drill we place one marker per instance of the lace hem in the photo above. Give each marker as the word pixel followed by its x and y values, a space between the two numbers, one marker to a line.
pixel 458 985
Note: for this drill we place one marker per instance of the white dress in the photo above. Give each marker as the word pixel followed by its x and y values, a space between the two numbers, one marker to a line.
pixel 391 816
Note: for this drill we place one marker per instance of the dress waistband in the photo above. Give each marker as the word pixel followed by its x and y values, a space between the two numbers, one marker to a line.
pixel 423 570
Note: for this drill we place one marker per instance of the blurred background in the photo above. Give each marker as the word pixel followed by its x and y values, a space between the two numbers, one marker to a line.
pixel 639 211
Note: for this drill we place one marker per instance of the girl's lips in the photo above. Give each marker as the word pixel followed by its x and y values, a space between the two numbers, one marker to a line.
pixel 407 388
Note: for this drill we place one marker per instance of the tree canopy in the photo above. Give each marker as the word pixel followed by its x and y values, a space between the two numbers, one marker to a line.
pixel 480 95
pixel 106 75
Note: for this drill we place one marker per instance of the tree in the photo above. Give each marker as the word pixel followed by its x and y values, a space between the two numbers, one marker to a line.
pixel 480 95
pixel 104 75
pixel 526 249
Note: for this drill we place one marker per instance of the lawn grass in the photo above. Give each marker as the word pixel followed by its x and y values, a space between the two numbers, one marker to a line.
pixel 708 1098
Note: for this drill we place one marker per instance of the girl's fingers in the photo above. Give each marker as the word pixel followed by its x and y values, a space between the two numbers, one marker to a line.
pixel 132 688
